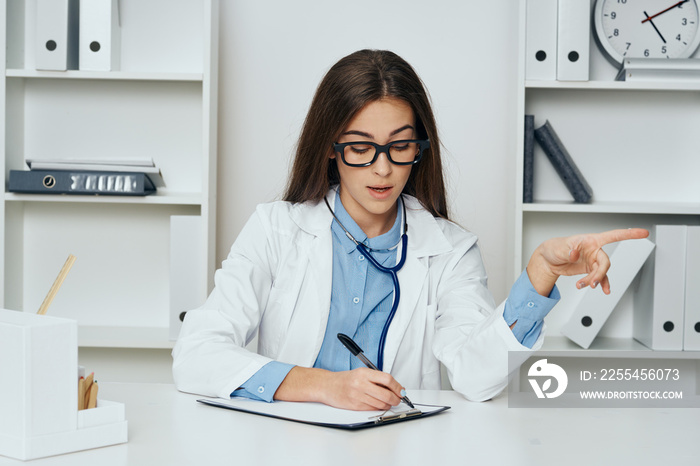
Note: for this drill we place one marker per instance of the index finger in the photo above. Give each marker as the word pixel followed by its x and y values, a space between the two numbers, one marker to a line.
pixel 613 236
pixel 386 380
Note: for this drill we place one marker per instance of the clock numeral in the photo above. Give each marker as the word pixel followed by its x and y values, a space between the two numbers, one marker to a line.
pixel 621 1
pixel 678 37
pixel 646 52
pixel 684 22
pixel 616 32
pixel 613 15
pixel 663 49
pixel 629 44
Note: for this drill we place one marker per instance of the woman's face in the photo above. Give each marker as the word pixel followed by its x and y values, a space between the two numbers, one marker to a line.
pixel 369 194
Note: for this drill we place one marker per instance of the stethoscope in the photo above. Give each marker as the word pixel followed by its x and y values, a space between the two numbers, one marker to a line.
pixel 390 270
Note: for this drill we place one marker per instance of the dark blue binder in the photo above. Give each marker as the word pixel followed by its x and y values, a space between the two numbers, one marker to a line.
pixel 80 182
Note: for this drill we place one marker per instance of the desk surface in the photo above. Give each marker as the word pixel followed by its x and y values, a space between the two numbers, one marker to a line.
pixel 169 428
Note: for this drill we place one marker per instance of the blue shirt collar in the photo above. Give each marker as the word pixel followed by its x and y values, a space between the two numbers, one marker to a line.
pixel 388 240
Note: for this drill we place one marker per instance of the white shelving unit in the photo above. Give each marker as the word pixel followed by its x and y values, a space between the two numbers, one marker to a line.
pixel 162 104
pixel 636 145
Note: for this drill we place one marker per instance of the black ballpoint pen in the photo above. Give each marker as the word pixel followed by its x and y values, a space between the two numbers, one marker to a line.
pixel 355 349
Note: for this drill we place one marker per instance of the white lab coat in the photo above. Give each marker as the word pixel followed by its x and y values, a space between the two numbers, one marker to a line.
pixel 277 281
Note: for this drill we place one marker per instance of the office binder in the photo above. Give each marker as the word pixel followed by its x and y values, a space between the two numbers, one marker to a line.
pixel 188 273
pixel 56 45
pixel 573 41
pixel 529 158
pixel 659 301
pixel 659 69
pixel 153 172
pixel 80 182
pixel 322 415
pixel 594 307
pixel 563 163
pixel 691 324
pixel 100 36
pixel 541 40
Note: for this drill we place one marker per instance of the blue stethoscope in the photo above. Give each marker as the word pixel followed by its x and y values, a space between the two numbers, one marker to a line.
pixel 390 270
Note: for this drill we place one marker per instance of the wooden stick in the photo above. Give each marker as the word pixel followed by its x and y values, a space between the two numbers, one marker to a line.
pixel 81 394
pixel 56 284
pixel 92 403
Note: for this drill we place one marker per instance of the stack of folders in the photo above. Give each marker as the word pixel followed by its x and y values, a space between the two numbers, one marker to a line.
pixel 557 40
pixel 666 298
pixel 560 158
pixel 78 176
pixel 659 69
pixel 667 304
pixel 77 34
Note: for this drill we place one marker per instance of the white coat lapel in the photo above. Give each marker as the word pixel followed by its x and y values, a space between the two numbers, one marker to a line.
pixel 314 299
pixel 425 239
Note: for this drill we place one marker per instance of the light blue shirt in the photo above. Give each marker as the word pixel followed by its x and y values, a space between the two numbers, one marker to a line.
pixel 360 311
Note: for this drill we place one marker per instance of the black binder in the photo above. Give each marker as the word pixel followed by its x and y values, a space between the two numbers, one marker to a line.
pixel 80 182
pixel 563 163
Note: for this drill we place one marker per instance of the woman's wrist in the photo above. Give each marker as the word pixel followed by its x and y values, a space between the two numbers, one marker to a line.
pixel 540 273
pixel 303 384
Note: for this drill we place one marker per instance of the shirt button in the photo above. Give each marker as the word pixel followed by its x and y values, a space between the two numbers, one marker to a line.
pixel 355 300
pixel 530 304
pixel 361 258
pixel 261 389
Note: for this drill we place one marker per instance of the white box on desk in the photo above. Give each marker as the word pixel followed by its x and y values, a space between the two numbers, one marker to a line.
pixel 39 391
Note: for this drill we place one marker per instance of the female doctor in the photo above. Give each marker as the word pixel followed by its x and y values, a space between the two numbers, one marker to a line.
pixel 366 195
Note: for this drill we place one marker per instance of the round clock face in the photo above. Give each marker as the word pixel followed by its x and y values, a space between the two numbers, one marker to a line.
pixel 646 28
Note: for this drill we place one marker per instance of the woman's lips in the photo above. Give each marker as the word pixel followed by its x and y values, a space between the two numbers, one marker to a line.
pixel 380 192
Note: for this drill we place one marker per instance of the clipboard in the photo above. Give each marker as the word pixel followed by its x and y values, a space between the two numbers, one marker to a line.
pixel 322 415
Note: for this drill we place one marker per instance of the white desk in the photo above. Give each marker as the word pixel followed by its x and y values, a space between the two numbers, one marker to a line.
pixel 169 428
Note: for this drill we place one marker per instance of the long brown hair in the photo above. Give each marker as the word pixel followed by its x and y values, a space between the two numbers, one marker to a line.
pixel 352 83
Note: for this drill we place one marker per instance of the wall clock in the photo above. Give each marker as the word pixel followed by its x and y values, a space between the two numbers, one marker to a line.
pixel 646 28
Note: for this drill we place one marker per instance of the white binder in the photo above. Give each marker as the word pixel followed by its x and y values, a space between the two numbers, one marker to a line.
pixel 659 302
pixel 188 274
pixel 691 334
pixel 594 307
pixel 100 36
pixel 541 40
pixel 573 44
pixel 56 45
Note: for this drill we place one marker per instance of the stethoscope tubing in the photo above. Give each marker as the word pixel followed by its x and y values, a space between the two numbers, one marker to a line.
pixel 397 292
pixel 390 270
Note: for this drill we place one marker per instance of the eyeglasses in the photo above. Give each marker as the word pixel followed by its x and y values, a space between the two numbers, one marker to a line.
pixel 364 154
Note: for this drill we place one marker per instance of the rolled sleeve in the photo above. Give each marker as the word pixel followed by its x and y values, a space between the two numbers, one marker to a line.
pixel 527 308
pixel 264 383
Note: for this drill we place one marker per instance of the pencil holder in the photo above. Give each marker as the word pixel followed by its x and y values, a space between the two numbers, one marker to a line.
pixel 39 391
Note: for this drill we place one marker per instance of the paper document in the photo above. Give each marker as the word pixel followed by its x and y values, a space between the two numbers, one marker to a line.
pixel 323 415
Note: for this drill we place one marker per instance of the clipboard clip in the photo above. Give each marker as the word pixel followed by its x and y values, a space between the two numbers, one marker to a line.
pixel 393 416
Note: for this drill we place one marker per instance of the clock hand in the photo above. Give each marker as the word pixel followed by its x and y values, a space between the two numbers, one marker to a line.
pixel 655 29
pixel 649 18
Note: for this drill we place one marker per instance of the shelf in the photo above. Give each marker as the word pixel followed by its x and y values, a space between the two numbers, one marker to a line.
pixel 670 208
pixel 617 85
pixel 105 75
pixel 124 337
pixel 156 198
pixel 610 348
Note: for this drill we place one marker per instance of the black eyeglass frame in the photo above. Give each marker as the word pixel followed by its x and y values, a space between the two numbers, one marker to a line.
pixel 423 144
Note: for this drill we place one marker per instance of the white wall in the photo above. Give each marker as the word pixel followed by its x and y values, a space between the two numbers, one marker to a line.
pixel 274 53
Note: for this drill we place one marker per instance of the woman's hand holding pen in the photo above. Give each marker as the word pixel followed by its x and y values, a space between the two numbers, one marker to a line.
pixel 574 255
pixel 360 389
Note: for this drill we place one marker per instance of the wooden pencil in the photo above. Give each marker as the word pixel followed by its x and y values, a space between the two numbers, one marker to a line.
pixel 56 284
